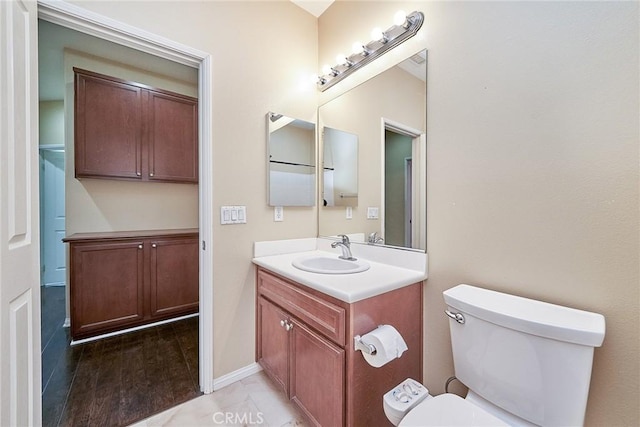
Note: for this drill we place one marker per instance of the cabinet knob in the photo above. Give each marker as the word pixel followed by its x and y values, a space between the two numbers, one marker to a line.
pixel 139 173
pixel 286 324
pixel 153 245
pixel 151 174
pixel 139 246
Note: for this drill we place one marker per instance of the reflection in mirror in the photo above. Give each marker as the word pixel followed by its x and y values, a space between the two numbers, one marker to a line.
pixel 340 168
pixel 387 113
pixel 292 159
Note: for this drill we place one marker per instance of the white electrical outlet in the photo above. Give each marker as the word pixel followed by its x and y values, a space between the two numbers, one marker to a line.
pixel 278 213
pixel 372 213
pixel 349 213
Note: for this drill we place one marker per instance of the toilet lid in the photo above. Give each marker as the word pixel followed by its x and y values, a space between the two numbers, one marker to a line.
pixel 449 410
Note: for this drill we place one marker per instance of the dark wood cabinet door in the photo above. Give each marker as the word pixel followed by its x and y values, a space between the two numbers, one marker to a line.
pixel 130 131
pixel 174 276
pixel 317 376
pixel 108 128
pixel 107 287
pixel 273 343
pixel 172 137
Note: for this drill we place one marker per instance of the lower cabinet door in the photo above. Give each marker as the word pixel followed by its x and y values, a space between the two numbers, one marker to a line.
pixel 317 376
pixel 107 287
pixel 174 276
pixel 273 343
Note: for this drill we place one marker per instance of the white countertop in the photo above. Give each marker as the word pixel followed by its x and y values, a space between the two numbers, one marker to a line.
pixel 389 268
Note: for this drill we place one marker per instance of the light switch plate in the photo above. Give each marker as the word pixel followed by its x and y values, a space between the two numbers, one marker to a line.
pixel 233 215
pixel 372 213
pixel 349 213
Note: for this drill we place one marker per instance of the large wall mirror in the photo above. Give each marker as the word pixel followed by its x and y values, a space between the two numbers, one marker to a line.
pixel 292 161
pixel 386 116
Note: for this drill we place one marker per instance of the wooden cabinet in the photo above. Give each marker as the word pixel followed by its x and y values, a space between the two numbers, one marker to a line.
pixel 130 131
pixel 107 286
pixel 305 345
pixel 317 376
pixel 121 280
pixel 173 261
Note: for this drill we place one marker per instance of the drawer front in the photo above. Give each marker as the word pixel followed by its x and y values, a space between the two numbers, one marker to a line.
pixel 323 316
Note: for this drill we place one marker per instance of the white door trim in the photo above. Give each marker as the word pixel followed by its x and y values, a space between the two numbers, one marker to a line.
pixel 77 18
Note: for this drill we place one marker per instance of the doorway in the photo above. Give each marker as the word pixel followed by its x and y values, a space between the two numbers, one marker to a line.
pixel 397 188
pixel 74 18
pixel 53 263
pixel 403 171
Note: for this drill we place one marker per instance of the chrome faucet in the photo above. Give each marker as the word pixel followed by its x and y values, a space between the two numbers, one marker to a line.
pixel 374 238
pixel 345 245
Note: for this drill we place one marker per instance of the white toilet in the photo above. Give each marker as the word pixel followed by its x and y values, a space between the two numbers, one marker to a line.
pixel 525 363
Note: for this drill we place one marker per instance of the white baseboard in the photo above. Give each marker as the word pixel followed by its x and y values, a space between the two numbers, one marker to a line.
pixel 67 322
pixel 235 376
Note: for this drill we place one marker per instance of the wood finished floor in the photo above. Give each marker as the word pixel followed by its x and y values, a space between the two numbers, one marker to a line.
pixel 114 381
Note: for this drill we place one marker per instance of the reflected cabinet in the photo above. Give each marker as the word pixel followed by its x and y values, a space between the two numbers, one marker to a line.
pixel 129 131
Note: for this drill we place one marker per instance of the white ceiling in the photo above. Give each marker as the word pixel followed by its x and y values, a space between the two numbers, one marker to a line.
pixel 314 7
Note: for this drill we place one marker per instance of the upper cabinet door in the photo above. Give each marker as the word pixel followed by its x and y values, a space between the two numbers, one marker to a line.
pixel 173 137
pixel 108 128
pixel 126 130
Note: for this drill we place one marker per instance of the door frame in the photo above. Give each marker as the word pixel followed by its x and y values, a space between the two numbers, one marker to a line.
pixel 408 201
pixel 82 20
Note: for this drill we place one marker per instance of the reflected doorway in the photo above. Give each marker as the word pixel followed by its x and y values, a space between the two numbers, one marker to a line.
pixel 397 188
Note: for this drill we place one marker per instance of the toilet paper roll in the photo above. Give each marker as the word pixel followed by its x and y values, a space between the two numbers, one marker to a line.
pixel 388 342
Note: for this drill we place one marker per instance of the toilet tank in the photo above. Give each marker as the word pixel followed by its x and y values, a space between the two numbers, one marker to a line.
pixel 527 357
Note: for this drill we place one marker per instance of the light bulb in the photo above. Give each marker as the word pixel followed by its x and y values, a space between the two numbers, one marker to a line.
pixel 400 17
pixel 341 59
pixel 326 69
pixel 357 48
pixel 377 34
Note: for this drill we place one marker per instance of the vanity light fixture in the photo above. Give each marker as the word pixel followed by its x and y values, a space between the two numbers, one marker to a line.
pixel 406 26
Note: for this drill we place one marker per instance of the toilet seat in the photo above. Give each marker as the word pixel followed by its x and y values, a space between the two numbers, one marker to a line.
pixel 449 410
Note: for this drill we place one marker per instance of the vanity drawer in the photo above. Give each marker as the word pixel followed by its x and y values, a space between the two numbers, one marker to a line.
pixel 321 315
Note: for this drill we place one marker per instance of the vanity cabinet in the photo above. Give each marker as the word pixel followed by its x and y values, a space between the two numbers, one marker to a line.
pixel 130 131
pixel 305 345
pixel 124 279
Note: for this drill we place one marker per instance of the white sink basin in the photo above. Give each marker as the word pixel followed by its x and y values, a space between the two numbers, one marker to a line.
pixel 329 265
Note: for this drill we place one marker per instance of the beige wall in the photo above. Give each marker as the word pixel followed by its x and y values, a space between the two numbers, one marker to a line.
pixel 532 173
pixel 532 155
pixel 263 54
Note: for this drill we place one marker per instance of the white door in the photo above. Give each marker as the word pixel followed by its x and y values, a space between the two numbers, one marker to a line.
pixel 53 218
pixel 20 382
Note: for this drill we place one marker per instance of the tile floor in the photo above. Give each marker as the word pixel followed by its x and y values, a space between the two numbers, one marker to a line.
pixel 251 401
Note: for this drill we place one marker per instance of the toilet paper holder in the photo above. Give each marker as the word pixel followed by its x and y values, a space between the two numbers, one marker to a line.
pixel 363 346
